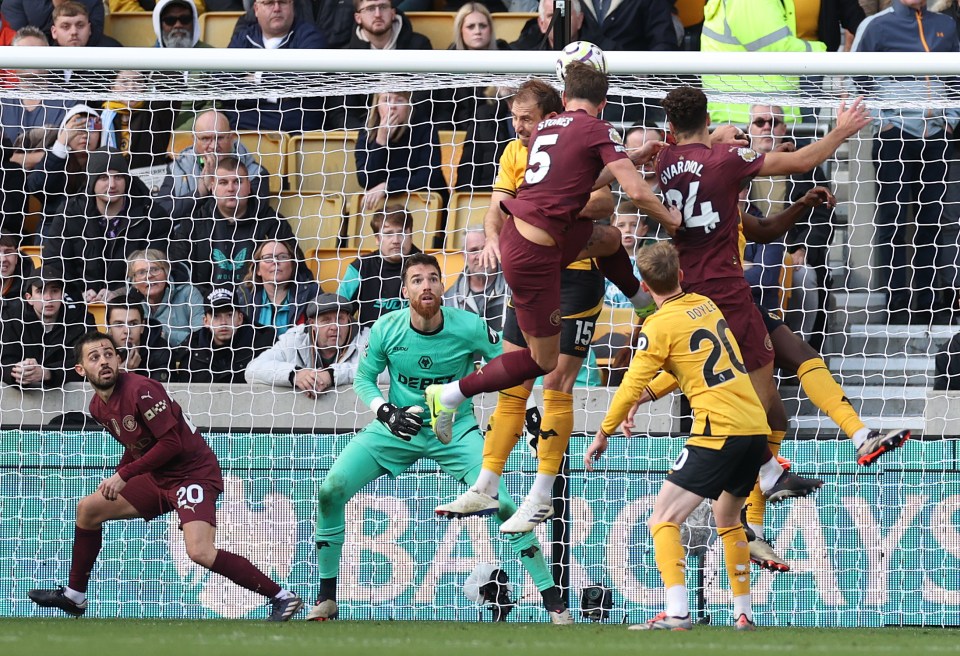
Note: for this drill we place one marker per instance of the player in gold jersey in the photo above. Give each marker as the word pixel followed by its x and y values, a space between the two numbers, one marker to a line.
pixel 689 337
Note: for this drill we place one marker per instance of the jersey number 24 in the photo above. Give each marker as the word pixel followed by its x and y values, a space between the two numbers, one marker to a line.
pixel 707 217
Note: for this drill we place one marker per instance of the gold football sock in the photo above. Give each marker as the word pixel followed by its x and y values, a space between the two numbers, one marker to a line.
pixel 756 502
pixel 736 554
pixel 555 429
pixel 825 393
pixel 669 554
pixel 505 428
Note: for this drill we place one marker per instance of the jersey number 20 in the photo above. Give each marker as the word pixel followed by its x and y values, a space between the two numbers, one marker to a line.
pixel 718 343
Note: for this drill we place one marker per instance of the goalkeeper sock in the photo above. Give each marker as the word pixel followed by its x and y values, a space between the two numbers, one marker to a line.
pixel 504 371
pixel 329 549
pixel 328 588
pixel 86 548
pixel 736 555
pixel 825 393
pixel 503 431
pixel 527 547
pixel 618 269
pixel 757 502
pixel 555 429
pixel 242 572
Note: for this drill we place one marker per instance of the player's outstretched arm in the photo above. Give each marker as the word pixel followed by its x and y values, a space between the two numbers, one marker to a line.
pixel 600 205
pixel 492 225
pixel 850 120
pixel 764 230
pixel 639 192
pixel 639 156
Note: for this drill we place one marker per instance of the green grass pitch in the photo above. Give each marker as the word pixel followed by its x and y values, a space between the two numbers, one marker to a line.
pixel 39 637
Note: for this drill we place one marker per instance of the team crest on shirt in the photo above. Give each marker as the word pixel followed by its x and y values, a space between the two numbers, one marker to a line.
pixel 555 318
pixel 130 423
pixel 768 343
pixel 747 154
pixel 615 136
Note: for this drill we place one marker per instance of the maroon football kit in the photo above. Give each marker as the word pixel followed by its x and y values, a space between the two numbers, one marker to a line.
pixel 567 154
pixel 167 465
pixel 704 184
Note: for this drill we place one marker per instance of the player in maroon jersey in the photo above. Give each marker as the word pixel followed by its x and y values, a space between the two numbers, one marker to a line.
pixel 166 466
pixel 704 182
pixel 541 236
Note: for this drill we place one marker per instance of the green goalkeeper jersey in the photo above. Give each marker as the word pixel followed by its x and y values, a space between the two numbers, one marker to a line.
pixel 415 360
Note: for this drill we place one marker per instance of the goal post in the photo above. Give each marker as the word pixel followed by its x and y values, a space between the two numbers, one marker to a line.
pixel 875 547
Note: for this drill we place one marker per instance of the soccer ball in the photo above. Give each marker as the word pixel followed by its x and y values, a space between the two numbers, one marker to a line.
pixel 580 51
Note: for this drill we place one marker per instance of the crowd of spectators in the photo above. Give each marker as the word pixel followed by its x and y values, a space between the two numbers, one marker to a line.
pixel 204 280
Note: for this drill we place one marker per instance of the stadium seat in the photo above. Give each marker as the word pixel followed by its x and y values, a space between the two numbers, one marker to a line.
pixel 435 25
pixel 34 253
pixel 786 282
pixel 330 264
pixel 317 219
pixel 134 29
pixel 216 27
pixel 323 161
pixel 451 264
pixel 508 25
pixel 466 210
pixel 690 12
pixel 269 148
pixel 451 149
pixel 33 216
pixel 426 209
pixel 99 312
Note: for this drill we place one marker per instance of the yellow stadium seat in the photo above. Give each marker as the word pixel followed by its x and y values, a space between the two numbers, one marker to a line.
pixel 268 148
pixel 216 27
pixel 99 312
pixel 614 320
pixel 786 282
pixel 134 29
pixel 33 216
pixel 425 208
pixel 467 209
pixel 451 264
pixel 690 12
pixel 435 25
pixel 451 149
pixel 34 253
pixel 323 161
pixel 317 219
pixel 329 265
pixel 508 25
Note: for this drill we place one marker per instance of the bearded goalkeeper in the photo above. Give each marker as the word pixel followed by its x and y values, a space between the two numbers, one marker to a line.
pixel 419 346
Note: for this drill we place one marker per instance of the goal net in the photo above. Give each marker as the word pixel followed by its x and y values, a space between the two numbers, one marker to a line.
pixel 871 285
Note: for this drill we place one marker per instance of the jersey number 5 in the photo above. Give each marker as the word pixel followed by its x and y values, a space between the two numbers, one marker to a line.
pixel 540 158
pixel 718 343
pixel 706 219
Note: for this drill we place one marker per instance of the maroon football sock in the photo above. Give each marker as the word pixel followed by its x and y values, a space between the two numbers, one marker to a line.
pixel 503 372
pixel 86 548
pixel 242 572
pixel 618 269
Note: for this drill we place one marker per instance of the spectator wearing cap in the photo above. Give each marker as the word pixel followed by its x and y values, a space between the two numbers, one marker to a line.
pixel 317 356
pixel 62 171
pixel 93 240
pixel 140 340
pixel 174 304
pixel 221 350
pixel 37 334
pixel 276 290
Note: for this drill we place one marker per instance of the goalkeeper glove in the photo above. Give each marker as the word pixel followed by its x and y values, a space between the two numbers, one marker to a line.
pixel 403 422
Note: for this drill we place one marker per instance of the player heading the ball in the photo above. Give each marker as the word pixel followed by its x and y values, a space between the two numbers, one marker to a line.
pixel 166 466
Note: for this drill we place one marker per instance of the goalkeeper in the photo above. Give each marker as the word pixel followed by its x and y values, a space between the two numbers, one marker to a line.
pixel 419 346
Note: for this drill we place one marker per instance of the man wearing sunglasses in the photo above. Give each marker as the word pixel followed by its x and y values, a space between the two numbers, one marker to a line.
pixel 176 25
